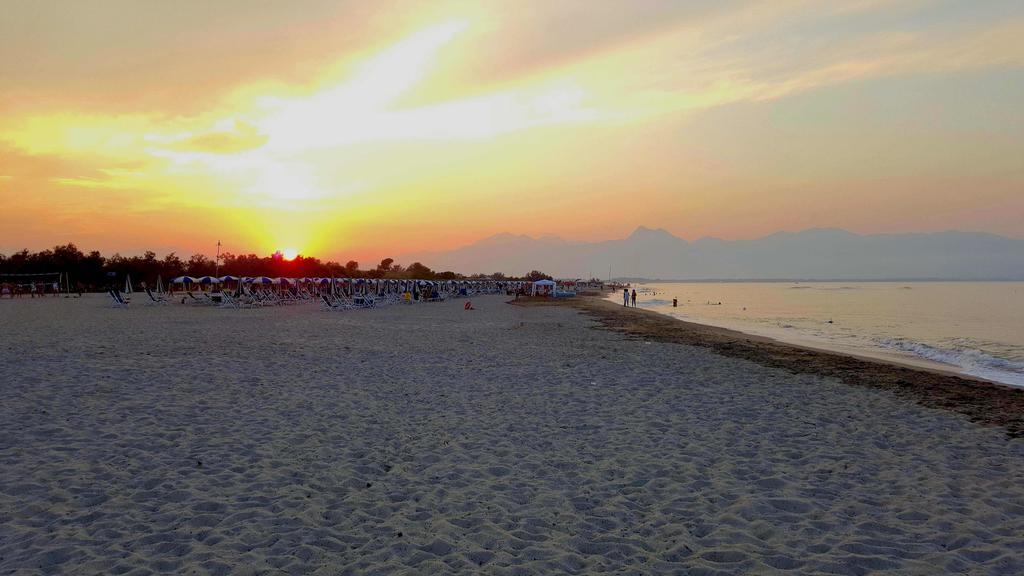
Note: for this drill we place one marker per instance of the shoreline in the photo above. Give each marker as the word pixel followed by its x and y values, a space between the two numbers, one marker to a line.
pixel 885 357
pixel 982 401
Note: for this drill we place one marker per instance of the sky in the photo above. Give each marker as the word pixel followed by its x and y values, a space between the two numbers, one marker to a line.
pixel 361 130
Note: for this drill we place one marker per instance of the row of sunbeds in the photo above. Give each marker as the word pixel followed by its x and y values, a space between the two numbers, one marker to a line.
pixel 247 297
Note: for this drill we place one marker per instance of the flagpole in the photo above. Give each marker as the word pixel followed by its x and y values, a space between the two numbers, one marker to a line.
pixel 216 269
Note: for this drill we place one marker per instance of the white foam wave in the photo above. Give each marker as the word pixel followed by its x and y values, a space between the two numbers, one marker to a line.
pixel 970 360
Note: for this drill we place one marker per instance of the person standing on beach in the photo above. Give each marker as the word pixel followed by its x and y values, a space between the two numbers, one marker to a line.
pixel 634 297
pixel 625 296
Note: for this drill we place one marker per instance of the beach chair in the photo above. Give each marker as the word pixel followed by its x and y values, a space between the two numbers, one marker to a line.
pixel 155 300
pixel 193 299
pixel 227 300
pixel 244 299
pixel 344 301
pixel 329 303
pixel 119 301
pixel 248 297
pixel 269 297
pixel 366 301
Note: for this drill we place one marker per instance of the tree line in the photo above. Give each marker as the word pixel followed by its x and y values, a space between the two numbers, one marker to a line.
pixel 92 270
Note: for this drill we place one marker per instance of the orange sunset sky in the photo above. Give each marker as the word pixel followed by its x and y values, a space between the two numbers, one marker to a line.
pixel 371 129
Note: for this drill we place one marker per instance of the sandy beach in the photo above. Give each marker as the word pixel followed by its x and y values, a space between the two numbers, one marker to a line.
pixel 511 439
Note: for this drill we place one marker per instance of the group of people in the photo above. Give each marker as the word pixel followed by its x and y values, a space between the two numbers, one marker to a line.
pixel 33 289
pixel 627 296
pixel 630 298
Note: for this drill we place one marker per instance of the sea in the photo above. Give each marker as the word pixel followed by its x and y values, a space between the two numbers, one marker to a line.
pixel 975 328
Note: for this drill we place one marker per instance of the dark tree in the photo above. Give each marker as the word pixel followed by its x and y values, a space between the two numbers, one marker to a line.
pixel 92 271
pixel 535 275
pixel 417 270
pixel 200 265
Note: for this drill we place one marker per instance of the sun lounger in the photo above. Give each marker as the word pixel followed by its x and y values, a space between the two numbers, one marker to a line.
pixel 329 303
pixel 154 299
pixel 118 298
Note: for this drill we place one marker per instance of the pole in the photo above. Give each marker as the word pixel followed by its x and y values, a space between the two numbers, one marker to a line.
pixel 216 269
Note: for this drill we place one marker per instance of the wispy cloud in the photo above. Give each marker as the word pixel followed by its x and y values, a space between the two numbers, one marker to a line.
pixel 381 119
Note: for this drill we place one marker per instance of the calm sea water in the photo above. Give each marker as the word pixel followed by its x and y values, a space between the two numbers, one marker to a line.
pixel 974 327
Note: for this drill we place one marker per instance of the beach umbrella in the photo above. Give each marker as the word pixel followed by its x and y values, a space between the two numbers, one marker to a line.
pixel 208 280
pixel 229 279
pixel 284 281
pixel 183 280
pixel 262 280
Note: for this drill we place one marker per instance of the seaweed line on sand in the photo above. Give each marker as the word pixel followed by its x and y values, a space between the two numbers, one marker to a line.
pixel 980 401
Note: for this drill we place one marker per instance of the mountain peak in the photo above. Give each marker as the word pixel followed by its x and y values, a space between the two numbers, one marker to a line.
pixel 808 254
pixel 509 239
pixel 645 233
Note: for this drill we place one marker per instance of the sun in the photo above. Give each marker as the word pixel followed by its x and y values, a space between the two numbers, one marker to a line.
pixel 289 253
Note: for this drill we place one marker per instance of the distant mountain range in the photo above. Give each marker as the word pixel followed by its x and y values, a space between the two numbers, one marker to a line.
pixel 811 254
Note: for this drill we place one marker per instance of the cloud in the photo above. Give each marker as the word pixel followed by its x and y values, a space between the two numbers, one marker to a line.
pixel 473 94
pixel 239 137
pixel 771 55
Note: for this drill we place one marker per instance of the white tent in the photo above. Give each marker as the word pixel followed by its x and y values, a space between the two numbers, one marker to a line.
pixel 544 287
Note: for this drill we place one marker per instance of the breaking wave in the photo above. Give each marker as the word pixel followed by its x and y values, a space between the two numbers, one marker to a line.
pixel 970 360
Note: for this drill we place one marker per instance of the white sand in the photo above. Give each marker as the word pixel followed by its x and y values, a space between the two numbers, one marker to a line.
pixel 429 439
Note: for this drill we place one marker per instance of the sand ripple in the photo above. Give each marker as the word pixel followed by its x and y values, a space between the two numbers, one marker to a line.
pixel 435 440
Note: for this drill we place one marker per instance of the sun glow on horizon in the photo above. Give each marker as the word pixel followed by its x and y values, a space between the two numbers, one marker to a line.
pixel 390 131
pixel 289 254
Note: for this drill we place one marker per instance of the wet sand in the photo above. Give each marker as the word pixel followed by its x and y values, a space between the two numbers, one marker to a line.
pixel 506 440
